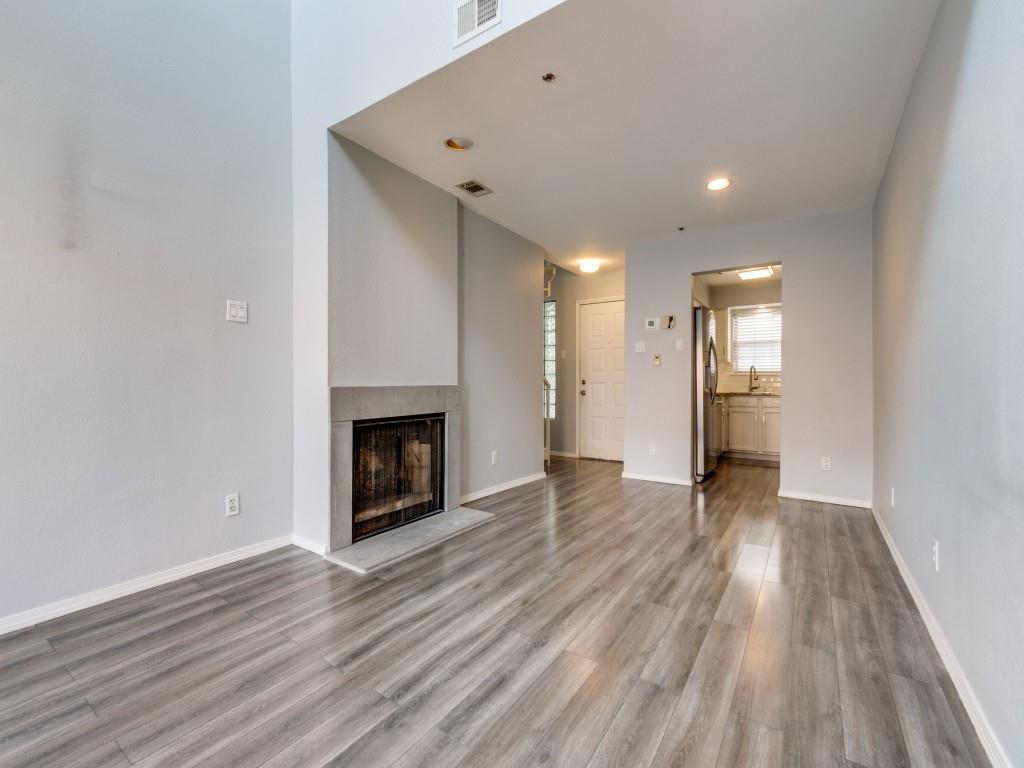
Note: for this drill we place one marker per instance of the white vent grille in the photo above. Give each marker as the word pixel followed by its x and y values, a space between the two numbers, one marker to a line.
pixel 474 16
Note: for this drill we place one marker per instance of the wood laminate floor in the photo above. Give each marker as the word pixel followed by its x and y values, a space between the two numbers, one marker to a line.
pixel 597 622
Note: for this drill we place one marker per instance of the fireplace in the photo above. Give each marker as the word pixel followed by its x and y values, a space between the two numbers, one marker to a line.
pixel 397 472
pixel 394 457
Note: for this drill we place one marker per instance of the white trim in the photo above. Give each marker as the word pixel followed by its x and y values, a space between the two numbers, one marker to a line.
pixel 89 599
pixel 657 479
pixel 844 502
pixel 310 545
pixel 565 454
pixel 576 380
pixel 986 734
pixel 474 495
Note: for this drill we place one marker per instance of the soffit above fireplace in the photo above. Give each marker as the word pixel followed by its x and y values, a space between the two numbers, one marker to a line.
pixel 358 403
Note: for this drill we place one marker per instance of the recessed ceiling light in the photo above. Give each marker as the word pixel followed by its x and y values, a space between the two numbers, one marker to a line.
pixel 459 144
pixel 717 185
pixel 757 273
pixel 590 265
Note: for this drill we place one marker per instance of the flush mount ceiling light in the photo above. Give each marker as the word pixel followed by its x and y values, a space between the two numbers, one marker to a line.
pixel 756 273
pixel 717 185
pixel 590 265
pixel 459 144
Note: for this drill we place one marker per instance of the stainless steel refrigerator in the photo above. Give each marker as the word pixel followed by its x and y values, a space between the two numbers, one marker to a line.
pixel 707 416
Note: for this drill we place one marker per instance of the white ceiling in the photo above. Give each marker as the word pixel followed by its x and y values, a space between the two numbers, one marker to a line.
pixel 796 100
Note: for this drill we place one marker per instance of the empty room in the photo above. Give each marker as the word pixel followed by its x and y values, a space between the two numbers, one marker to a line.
pixel 505 383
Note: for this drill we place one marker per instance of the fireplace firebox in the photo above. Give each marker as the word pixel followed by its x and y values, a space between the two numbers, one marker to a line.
pixel 398 472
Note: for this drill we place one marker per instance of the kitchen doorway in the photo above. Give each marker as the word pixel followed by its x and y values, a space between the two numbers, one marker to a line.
pixel 737 347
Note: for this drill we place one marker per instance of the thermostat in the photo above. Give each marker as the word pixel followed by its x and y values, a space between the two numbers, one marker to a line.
pixel 652 323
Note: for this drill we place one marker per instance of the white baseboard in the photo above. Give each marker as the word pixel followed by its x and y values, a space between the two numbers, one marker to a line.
pixel 993 748
pixel 843 502
pixel 311 545
pixel 657 479
pixel 565 454
pixel 43 613
pixel 474 495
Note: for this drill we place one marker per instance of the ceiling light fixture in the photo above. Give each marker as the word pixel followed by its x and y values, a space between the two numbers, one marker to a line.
pixel 756 273
pixel 717 185
pixel 459 144
pixel 590 265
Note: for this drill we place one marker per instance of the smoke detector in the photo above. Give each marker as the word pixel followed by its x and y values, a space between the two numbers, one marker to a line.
pixel 475 188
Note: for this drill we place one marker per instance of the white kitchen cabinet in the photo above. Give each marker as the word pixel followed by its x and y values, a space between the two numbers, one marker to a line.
pixel 754 425
pixel 771 430
pixel 743 429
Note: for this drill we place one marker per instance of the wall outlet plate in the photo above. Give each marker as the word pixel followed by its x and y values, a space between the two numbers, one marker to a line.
pixel 231 505
pixel 826 463
pixel 657 360
pixel 237 311
pixel 494 458
pixel 935 554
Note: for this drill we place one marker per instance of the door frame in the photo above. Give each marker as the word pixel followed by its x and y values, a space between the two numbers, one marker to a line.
pixel 576 377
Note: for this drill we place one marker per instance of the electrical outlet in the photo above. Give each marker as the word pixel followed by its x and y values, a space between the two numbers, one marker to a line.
pixel 935 554
pixel 651 448
pixel 494 458
pixel 231 505
pixel 237 311
pixel 826 463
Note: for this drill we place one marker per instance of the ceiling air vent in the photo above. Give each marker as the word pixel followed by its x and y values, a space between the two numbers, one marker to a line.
pixel 475 188
pixel 474 16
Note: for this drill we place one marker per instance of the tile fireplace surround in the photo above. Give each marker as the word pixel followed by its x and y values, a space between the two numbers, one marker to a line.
pixel 349 404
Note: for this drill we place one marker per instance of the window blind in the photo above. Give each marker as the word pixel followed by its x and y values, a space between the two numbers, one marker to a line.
pixel 756 338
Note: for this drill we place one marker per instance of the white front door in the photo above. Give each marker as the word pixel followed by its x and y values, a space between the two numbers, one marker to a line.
pixel 603 379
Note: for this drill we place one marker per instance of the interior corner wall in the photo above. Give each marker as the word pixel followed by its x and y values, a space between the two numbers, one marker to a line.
pixel 567 289
pixel 144 182
pixel 949 277
pixel 827 395
pixel 336 70
pixel 501 353
pixel 393 274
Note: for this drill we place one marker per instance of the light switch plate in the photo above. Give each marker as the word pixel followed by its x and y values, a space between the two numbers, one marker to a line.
pixel 237 311
pixel 641 346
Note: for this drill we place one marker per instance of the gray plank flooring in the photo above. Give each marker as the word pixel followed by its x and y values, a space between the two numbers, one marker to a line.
pixel 597 622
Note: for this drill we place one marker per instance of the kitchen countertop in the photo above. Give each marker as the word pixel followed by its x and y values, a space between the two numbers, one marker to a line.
pixel 751 394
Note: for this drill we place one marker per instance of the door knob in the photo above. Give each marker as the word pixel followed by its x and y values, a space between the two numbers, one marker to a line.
pixel 583 392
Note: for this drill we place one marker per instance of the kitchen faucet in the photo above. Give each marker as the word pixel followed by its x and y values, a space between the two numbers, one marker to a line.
pixel 752 381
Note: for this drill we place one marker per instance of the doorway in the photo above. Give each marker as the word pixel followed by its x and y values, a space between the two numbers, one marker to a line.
pixel 737 368
pixel 601 378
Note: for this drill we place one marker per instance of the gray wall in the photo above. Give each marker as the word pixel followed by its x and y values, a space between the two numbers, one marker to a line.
pixel 949 236
pixel 144 180
pixel 393 274
pixel 567 289
pixel 501 351
pixel 826 403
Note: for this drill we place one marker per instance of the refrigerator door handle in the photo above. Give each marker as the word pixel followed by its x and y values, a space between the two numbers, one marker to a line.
pixel 713 365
